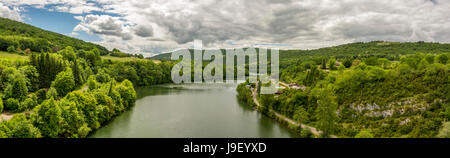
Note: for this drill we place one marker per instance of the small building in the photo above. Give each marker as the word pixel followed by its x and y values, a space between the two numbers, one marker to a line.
pixel 279 92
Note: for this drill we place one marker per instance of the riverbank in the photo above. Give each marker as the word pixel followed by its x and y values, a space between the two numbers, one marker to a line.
pixel 291 124
pixel 191 111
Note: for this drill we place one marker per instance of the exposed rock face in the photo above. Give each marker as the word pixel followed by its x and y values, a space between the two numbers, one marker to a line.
pixel 408 105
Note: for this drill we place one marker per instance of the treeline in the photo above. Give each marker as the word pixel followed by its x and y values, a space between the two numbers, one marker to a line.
pixel 117 53
pixel 71 92
pixel 368 97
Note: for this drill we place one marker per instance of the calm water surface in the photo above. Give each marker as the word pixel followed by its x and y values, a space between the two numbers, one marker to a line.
pixel 191 111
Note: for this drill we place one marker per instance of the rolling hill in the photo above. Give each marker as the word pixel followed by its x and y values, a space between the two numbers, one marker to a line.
pixel 24 36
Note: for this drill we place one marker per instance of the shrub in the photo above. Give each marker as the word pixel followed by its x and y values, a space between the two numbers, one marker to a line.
pixel 445 131
pixel 364 134
pixel 19 127
pixel 92 84
pixel 29 103
pixel 11 49
pixel 12 104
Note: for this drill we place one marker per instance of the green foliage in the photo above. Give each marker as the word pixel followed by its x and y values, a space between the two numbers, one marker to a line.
pixel 19 127
pixel 12 104
pixel 347 62
pixel 1 105
pixel 52 93
pixel 68 53
pixel 92 83
pixel 245 94
pixel 31 77
pixel 47 118
pixel 41 95
pixel 64 82
pixel 48 66
pixel 332 64
pixel 17 89
pixel 445 131
pixel 442 58
pixel 74 125
pixel 127 93
pixel 364 134
pixel 29 103
pixel 326 110
pixel 11 49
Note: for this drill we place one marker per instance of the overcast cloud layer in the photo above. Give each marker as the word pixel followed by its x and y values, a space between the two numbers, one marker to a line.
pixel 161 25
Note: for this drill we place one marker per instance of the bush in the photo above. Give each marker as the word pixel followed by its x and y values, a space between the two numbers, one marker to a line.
pixel 29 103
pixel 364 134
pixel 445 131
pixel 12 104
pixel 92 84
pixel 19 127
pixel 11 49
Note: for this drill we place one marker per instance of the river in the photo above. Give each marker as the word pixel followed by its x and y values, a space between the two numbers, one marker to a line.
pixel 191 111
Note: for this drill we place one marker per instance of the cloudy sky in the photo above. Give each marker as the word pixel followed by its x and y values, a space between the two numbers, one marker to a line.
pixel 154 26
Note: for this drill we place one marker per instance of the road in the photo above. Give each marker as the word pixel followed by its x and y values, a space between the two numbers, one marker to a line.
pixel 312 129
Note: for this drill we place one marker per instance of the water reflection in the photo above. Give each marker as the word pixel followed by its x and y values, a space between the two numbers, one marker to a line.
pixel 191 110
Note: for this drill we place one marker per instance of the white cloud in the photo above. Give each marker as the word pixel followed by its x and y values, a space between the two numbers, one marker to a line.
pixel 161 25
pixel 10 13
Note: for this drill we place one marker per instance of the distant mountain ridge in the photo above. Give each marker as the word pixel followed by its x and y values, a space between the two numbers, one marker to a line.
pixel 374 48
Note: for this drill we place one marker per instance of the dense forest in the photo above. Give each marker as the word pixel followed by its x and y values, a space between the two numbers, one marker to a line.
pixel 366 96
pixel 57 86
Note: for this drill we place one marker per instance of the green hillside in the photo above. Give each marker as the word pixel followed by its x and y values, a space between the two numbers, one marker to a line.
pixel 359 50
pixel 23 36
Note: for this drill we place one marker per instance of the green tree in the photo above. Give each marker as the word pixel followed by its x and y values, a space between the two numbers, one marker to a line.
pixel 31 77
pixel 76 71
pixel 18 88
pixel 127 93
pixel 64 82
pixel 347 62
pixel 332 64
pixel 48 118
pixel 73 121
pixel 326 110
pixel 68 54
pixel 301 115
pixel 52 93
pixel 92 83
pixel 442 58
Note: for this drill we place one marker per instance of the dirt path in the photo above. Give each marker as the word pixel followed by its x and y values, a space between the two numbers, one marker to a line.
pixel 312 129
pixel 5 116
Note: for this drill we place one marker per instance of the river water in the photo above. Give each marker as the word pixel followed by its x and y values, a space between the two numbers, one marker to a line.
pixel 191 111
